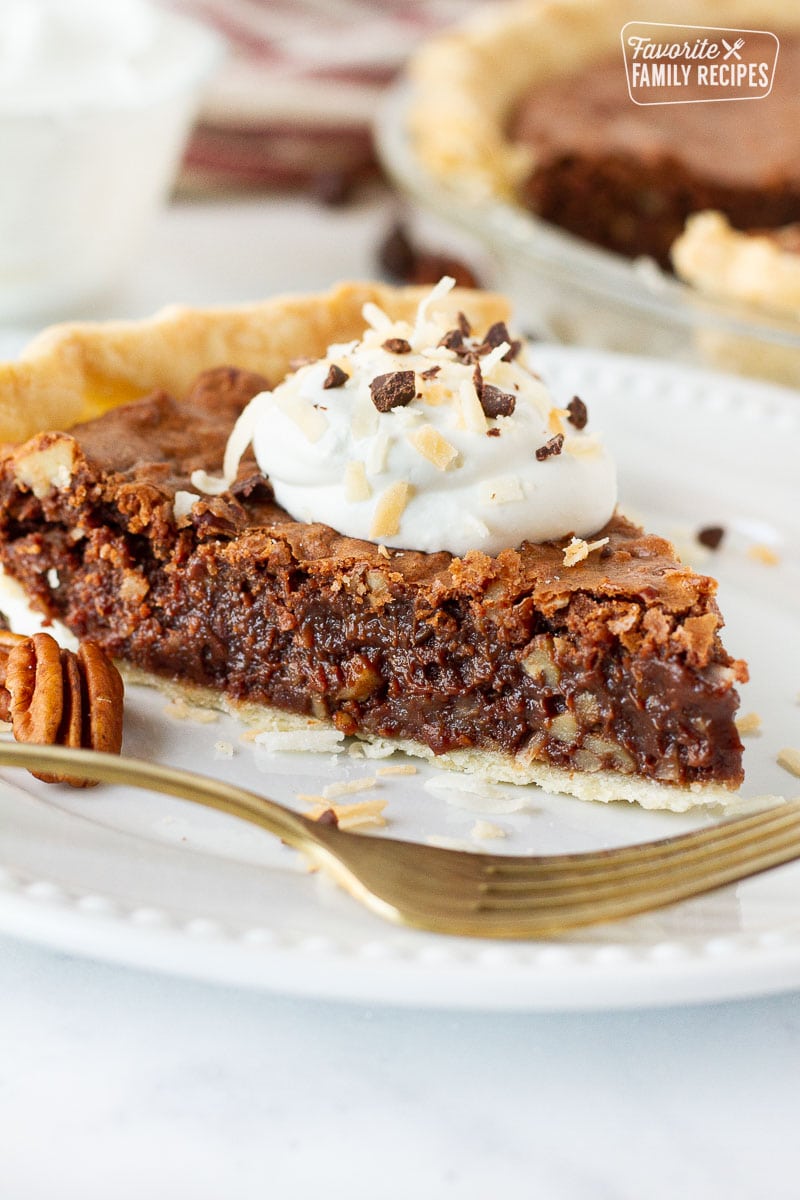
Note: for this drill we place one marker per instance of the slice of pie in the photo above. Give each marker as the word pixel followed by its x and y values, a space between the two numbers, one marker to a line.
pixel 589 663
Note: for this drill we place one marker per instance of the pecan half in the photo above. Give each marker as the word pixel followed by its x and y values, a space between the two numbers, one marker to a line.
pixel 65 699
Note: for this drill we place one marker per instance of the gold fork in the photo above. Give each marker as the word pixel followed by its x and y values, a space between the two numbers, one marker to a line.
pixel 458 892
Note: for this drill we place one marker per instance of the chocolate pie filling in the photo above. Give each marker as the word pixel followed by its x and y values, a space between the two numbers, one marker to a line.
pixel 614 663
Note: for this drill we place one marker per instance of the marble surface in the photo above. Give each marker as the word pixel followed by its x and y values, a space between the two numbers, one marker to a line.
pixel 115 1082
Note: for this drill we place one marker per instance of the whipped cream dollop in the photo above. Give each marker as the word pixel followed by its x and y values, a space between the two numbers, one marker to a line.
pixel 426 436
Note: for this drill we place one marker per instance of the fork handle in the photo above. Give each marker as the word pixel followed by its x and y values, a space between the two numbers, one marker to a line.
pixel 293 828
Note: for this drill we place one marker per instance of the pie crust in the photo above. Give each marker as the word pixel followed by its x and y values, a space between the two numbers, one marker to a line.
pixel 761 269
pixel 76 371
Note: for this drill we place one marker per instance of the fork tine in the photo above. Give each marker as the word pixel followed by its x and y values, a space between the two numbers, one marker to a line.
pixel 708 841
pixel 621 868
pixel 615 899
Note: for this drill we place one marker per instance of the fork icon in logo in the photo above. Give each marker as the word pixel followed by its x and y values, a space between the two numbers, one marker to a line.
pixel 734 49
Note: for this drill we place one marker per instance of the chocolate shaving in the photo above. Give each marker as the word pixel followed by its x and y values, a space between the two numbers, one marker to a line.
pixel 464 325
pixel 335 377
pixel 495 336
pixel 711 536
pixel 431 372
pixel 578 413
pixel 493 432
pixel 496 403
pixel 551 448
pixel 453 340
pixel 397 345
pixel 394 390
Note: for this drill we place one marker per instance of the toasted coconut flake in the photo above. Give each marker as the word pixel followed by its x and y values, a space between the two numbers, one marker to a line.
pixel 428 442
pixel 397 769
pixel 442 288
pixel 376 318
pixel 470 410
pixel 389 510
pixel 356 486
pixel 505 489
pixel 363 814
pixel 486 830
pixel 490 360
pixel 588 445
pixel 348 787
pixel 763 554
pixel 378 452
pixel 789 759
pixel 311 421
pixel 749 724
pixel 383 552
pixel 223 750
pixel 555 421
pixel 364 421
pixel 578 550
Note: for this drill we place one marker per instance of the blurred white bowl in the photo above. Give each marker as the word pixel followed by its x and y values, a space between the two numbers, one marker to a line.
pixel 96 101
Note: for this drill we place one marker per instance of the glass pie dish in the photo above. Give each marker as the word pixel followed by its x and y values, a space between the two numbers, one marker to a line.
pixel 566 290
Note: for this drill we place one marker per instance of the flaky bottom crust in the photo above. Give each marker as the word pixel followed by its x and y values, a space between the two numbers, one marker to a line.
pixel 493 767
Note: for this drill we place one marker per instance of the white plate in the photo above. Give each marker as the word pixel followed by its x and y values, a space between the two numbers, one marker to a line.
pixel 149 881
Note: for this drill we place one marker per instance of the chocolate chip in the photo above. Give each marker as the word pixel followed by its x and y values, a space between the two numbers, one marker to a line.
pixel 578 413
pixel 711 536
pixel 335 377
pixel 495 336
pixel 397 345
pixel 607 551
pixel 496 403
pixel 453 340
pixel 493 432
pixel 431 372
pixel 393 390
pixel 551 448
